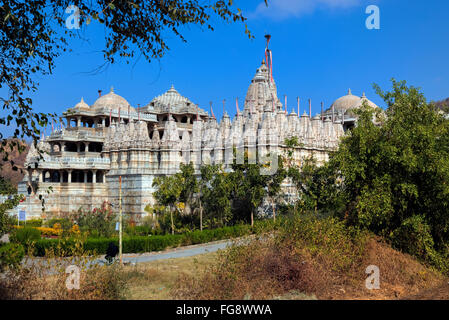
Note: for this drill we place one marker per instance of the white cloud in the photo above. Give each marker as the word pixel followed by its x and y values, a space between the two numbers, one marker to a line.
pixel 283 9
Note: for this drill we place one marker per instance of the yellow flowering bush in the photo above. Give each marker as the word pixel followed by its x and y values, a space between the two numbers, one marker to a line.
pixel 75 229
pixel 45 231
pixel 50 231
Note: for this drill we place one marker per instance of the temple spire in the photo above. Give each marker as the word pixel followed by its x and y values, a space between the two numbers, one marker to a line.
pixel 298 106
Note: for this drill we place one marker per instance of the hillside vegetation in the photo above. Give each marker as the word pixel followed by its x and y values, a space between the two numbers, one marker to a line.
pixel 312 258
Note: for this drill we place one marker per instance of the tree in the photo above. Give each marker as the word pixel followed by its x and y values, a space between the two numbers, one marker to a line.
pixel 207 174
pixel 275 184
pixel 394 176
pixel 217 198
pixel 317 186
pixel 249 187
pixel 34 33
pixel 168 194
pixel 6 221
pixel 6 187
pixel 189 185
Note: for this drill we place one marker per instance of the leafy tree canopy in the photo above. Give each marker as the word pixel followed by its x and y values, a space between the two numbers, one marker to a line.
pixel 394 176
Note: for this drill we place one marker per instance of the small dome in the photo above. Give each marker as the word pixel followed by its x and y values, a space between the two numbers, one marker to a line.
pixel 82 105
pixel 364 98
pixel 348 102
pixel 112 101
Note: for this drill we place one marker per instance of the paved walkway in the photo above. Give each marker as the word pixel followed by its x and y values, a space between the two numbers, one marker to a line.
pixel 180 252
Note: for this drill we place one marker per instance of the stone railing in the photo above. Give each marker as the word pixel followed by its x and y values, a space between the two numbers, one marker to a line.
pixel 114 113
pixel 75 163
pixel 77 134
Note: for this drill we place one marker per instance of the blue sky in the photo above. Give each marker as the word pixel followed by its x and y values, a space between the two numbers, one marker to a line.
pixel 320 49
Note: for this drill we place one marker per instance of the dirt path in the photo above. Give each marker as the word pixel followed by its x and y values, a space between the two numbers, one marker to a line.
pixel 438 293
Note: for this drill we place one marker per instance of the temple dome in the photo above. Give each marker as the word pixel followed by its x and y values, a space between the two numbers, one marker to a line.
pixel 173 102
pixel 173 98
pixel 112 101
pixel 348 102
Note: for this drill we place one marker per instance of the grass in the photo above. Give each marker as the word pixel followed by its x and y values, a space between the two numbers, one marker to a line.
pixel 154 280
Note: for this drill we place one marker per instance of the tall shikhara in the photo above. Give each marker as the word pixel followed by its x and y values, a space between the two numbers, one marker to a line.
pixel 98 143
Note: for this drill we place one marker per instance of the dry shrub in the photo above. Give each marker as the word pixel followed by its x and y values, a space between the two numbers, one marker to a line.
pixel 45 278
pixel 258 270
pixel 315 257
pixel 401 275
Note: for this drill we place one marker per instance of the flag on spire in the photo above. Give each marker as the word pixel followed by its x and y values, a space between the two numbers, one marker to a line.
pixel 269 57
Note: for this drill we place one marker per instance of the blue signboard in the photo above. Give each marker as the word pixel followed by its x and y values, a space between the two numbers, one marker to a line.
pixel 22 215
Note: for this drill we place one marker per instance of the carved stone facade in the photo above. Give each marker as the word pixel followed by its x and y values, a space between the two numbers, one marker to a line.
pixel 84 160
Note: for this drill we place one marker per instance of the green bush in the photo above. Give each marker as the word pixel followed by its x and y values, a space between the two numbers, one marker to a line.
pixel 11 254
pixel 326 237
pixel 143 230
pixel 6 220
pixel 30 223
pixel 414 237
pixel 100 222
pixel 25 235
